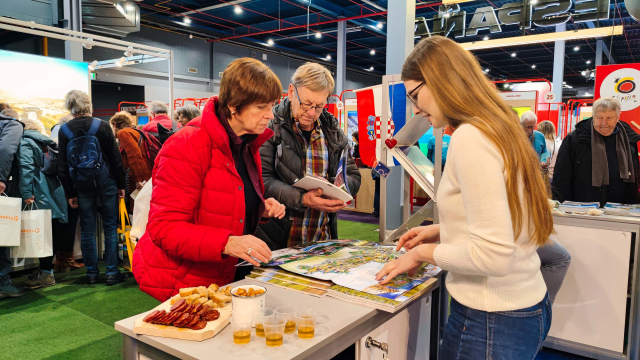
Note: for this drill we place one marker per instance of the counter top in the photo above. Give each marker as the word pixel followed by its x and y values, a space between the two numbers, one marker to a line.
pixel 341 324
pixel 603 217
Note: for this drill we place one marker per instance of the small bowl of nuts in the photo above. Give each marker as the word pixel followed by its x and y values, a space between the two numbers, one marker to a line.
pixel 248 298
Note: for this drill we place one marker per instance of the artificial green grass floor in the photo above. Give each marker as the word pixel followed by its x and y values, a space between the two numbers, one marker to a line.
pixel 73 320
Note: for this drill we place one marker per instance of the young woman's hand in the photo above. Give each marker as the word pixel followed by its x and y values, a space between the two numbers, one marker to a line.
pixel 272 208
pixel 247 247
pixel 419 235
pixel 408 262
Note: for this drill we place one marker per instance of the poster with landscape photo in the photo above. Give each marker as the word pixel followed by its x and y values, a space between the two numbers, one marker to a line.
pixel 35 86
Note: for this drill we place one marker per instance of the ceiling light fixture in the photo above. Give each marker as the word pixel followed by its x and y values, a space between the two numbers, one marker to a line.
pixel 446 15
pixel 371 68
pixel 588 62
pixel 533 66
pixel 129 53
pixel 190 36
pixel 187 20
pixel 546 37
pixel 93 65
pixel 533 2
pixel 329 57
pixel 318 35
pixel 485 38
pixel 270 42
pixel 577 48
pixel 379 25
pixel 513 54
pixel 237 9
pixel 129 6
pixel 372 52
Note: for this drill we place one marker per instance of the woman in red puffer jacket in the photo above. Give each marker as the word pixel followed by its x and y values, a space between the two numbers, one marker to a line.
pixel 207 196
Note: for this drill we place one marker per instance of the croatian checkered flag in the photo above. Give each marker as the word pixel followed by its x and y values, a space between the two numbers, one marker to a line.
pixel 341 176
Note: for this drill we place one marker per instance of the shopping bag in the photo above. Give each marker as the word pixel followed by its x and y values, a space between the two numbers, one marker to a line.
pixel 123 232
pixel 35 235
pixel 141 211
pixel 9 220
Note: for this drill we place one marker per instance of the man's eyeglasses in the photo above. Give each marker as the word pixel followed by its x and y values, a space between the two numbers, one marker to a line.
pixel 307 107
pixel 529 127
pixel 411 95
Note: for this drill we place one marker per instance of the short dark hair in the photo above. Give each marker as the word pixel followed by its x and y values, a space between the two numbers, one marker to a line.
pixel 247 81
pixel 355 134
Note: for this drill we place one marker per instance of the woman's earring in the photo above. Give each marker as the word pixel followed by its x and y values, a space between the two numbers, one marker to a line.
pixel 233 113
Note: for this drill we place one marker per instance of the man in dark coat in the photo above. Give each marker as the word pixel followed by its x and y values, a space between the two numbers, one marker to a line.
pixel 598 161
pixel 10 135
pixel 307 141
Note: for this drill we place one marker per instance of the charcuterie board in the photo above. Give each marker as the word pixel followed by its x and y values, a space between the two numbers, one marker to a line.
pixel 212 328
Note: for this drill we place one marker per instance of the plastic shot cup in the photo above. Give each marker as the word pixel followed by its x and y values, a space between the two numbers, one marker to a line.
pixel 306 321
pixel 288 312
pixel 259 318
pixel 241 327
pixel 274 330
pixel 309 304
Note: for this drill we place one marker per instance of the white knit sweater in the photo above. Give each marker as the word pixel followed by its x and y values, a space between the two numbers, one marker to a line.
pixel 488 270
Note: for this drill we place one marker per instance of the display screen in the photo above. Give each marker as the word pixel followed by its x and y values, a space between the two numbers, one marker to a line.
pixel 142 120
pixel 35 86
pixel 521 110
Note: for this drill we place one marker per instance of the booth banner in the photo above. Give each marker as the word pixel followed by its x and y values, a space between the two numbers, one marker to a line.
pixel 623 83
pixel 369 123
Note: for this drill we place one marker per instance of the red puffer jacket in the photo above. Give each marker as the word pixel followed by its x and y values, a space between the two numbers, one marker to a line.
pixel 195 207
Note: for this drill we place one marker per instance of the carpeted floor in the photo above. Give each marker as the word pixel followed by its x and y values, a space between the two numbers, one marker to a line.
pixel 73 320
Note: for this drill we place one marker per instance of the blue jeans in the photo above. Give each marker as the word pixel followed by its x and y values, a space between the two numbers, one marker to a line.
pixel 108 195
pixel 507 335
pixel 555 260
pixel 5 266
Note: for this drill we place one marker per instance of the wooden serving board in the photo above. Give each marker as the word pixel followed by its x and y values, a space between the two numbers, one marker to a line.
pixel 212 328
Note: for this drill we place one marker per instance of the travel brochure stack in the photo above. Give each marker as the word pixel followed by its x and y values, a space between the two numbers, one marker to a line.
pixel 346 270
pixel 581 208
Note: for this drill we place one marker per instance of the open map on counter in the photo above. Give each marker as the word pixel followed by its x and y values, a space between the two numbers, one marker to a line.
pixel 349 265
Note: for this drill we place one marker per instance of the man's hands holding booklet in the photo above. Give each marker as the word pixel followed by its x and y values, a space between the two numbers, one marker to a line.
pixel 314 200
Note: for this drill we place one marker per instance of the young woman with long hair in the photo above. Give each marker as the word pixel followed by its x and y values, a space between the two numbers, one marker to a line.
pixel 493 211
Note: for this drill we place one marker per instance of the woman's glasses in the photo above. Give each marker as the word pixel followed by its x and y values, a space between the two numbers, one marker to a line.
pixel 411 95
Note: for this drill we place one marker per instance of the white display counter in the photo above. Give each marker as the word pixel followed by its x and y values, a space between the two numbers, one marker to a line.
pixel 411 333
pixel 596 311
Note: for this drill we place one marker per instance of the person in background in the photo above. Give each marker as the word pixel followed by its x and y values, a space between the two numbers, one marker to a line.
pixel 10 134
pixel 56 128
pixel 553 144
pixel 529 120
pixel 598 161
pixel 47 193
pixel 132 157
pixel 4 106
pixel 187 113
pixel 307 141
pixel 108 189
pixel 431 148
pixel 207 189
pixel 159 113
pixel 494 211
pixel 356 146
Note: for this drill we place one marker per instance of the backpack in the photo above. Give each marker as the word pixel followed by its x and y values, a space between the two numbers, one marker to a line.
pixel 84 157
pixel 150 148
pixel 164 134
pixel 50 161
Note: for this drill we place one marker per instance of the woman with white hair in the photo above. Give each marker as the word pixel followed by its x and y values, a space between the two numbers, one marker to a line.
pixel 159 112
pixel 102 179
pixel 46 191
pixel 598 161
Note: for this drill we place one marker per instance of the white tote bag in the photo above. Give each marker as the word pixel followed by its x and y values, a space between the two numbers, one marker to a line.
pixel 141 211
pixel 35 236
pixel 9 220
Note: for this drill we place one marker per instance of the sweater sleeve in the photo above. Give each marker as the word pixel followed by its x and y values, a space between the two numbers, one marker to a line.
pixel 9 140
pixel 137 162
pixel 27 170
pixel 478 168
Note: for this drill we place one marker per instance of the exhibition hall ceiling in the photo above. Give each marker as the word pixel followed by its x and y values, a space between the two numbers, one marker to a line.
pixel 308 28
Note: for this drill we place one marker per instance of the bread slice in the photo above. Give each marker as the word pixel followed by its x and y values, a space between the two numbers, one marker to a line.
pixel 214 287
pixel 202 291
pixel 192 298
pixel 211 293
pixel 227 290
pixel 209 303
pixel 203 300
pixel 221 298
pixel 186 292
pixel 175 299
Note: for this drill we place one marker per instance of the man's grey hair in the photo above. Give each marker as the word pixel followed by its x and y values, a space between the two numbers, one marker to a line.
pixel 65 119
pixel 606 104
pixel 78 103
pixel 528 115
pixel 158 107
pixel 314 77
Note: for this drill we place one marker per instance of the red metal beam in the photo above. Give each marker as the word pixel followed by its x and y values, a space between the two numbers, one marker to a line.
pixel 315 24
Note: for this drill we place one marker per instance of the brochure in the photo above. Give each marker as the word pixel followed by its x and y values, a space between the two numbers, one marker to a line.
pixel 329 190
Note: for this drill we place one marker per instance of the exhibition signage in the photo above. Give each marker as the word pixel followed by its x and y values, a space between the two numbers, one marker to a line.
pixel 623 83
pixel 523 13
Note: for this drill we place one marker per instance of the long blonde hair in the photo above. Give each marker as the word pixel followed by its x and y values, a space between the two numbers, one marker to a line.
pixel 547 129
pixel 466 96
